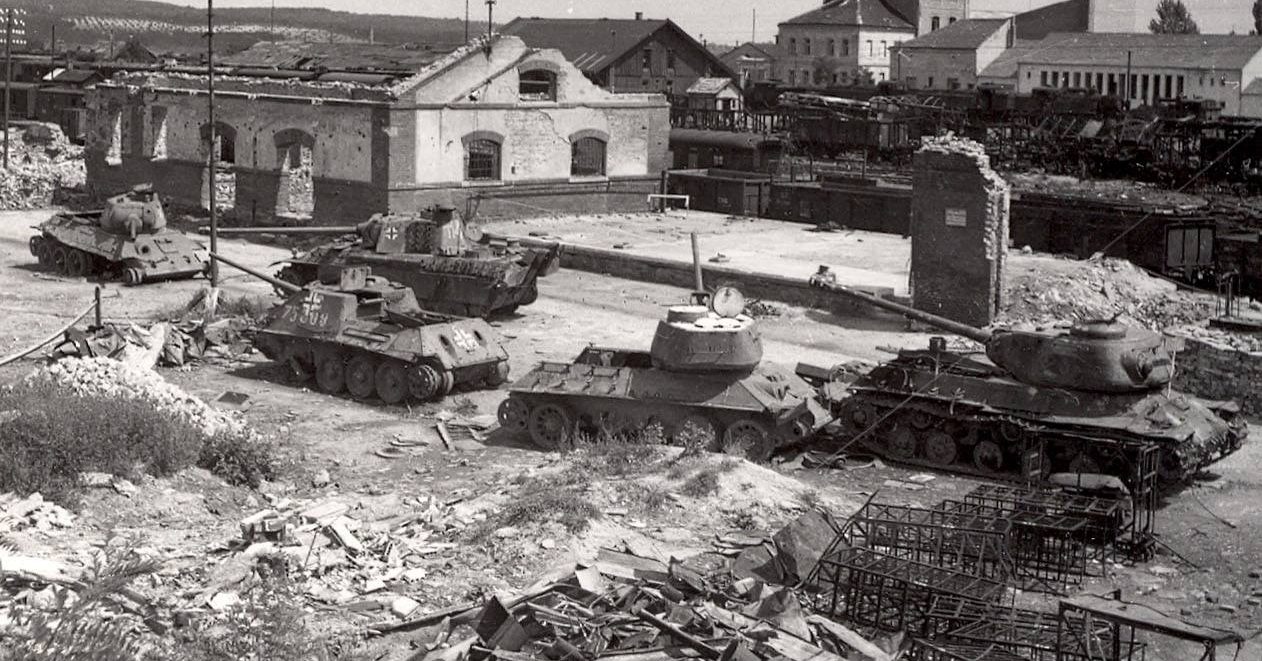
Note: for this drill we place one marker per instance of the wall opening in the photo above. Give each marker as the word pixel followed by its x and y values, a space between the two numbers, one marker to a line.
pixel 295 189
pixel 156 133
pixel 587 157
pixel 482 160
pixel 225 157
pixel 114 146
pixel 537 85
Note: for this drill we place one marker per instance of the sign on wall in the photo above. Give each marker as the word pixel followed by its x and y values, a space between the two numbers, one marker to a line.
pixel 956 217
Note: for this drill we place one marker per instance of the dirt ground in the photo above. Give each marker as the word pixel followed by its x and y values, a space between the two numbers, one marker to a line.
pixel 185 519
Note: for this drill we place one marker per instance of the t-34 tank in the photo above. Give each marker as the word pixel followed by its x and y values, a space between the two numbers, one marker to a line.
pixel 129 236
pixel 701 382
pixel 369 337
pixel 448 271
pixel 1082 398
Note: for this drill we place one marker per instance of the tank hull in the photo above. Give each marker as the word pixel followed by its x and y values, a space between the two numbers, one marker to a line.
pixel 480 285
pixel 76 245
pixel 968 419
pixel 380 355
pixel 619 392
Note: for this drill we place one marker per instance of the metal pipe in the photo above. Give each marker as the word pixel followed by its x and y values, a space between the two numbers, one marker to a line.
pixel 8 78
pixel 96 299
pixel 212 160
pixel 275 282
pixel 62 331
pixel 697 283
pixel 688 640
pixel 332 230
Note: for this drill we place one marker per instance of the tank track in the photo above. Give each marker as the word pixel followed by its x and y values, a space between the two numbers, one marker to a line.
pixel 963 439
pixel 554 422
pixel 340 369
pixel 53 255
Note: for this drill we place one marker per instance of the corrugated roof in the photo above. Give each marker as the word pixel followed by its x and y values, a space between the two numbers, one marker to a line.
pixel 338 56
pixel 1067 16
pixel 589 44
pixel 1181 51
pixel 866 13
pixel 969 33
pixel 709 85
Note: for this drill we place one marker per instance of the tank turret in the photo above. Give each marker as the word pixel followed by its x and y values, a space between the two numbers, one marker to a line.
pixel 707 338
pixel 1098 356
pixel 138 211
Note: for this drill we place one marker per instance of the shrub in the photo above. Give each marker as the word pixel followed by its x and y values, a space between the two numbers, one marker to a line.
pixel 704 483
pixel 612 455
pixel 239 460
pixel 269 624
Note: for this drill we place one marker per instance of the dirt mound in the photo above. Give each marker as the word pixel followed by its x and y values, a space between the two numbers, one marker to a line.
pixel 1108 190
pixel 43 166
pixel 1047 290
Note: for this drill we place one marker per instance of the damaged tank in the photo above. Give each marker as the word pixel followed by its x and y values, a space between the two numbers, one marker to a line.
pixel 702 382
pixel 1076 400
pixel 439 258
pixel 369 337
pixel 128 238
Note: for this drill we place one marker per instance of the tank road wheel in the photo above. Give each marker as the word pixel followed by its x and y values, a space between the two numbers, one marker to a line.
pixel 133 275
pixel 940 449
pixel 35 244
pixel 78 263
pixel 748 437
pixel 424 382
pixel 330 372
pixel 695 434
pixel 988 457
pixel 446 382
pixel 498 376
pixel 531 295
pixel 391 381
pixel 60 257
pixel 921 420
pixel 550 427
pixel 864 416
pixel 901 443
pixel 361 376
pixel 513 415
pixel 45 254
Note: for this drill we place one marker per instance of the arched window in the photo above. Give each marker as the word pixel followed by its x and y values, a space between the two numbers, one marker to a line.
pixel 587 157
pixel 537 85
pixel 482 158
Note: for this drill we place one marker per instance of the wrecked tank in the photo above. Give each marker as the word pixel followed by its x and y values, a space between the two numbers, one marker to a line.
pixel 439 258
pixel 128 238
pixel 369 337
pixel 702 382
pixel 1076 400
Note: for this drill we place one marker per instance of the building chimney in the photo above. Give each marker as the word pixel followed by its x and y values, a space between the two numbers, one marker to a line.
pixel 639 16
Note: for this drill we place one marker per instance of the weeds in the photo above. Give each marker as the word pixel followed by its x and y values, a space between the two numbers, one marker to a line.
pixel 810 499
pixel 704 483
pixel 465 407
pixel 612 455
pixel 60 435
pixel 270 624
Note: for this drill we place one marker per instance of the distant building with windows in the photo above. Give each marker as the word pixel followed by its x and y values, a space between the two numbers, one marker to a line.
pixel 752 62
pixel 848 42
pixel 953 57
pixel 1219 67
pixel 625 55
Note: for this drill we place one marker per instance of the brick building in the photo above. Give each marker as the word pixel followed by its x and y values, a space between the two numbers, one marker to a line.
pixel 495 126
pixel 848 42
pixel 953 57
pixel 633 55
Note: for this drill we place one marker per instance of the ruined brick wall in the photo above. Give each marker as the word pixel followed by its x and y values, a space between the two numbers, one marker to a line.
pixel 1213 369
pixel 959 232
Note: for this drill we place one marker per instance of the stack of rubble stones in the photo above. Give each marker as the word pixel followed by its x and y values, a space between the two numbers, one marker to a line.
pixel 43 167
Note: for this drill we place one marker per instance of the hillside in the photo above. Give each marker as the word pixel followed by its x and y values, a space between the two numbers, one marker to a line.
pixel 172 28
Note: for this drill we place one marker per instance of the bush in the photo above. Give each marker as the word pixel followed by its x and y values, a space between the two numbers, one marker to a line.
pixel 59 435
pixel 704 483
pixel 270 624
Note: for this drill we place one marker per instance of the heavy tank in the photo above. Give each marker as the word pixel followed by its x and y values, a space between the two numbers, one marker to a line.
pixel 702 382
pixel 129 238
pixel 1075 399
pixel 436 257
pixel 369 337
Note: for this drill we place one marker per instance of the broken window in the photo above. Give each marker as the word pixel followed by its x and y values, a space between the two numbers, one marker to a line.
pixel 845 47
pixel 670 60
pixel 125 134
pixel 295 190
pixel 537 85
pixel 587 157
pixel 223 179
pixel 156 133
pixel 648 58
pixel 482 160
pixel 114 145
pixel 935 23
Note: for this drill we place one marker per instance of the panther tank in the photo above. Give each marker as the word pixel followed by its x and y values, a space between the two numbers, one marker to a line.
pixel 702 382
pixel 369 337
pixel 128 238
pixel 438 258
pixel 1079 399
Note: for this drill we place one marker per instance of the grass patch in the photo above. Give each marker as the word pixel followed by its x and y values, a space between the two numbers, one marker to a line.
pixel 559 497
pixel 702 484
pixel 58 435
pixel 612 456
pixel 465 407
pixel 245 305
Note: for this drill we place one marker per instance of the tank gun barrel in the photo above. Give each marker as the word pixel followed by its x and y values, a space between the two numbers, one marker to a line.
pixel 332 230
pixel 275 282
pixel 825 280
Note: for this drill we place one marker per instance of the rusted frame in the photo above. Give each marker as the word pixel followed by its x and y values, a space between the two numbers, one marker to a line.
pixel 1047 549
pixel 970 543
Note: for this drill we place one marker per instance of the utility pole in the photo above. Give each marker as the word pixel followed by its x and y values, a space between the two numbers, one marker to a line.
pixel 211 158
pixel 8 77
pixel 753 29
pixel 1126 95
pixel 466 21
pixel 490 22
pixel 271 27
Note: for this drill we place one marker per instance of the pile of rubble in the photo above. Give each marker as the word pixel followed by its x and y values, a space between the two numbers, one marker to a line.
pixel 1102 189
pixel 43 167
pixel 1246 342
pixel 109 377
pixel 1046 291
pixel 17 513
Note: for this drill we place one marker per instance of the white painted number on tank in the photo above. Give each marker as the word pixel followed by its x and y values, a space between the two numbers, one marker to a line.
pixel 464 340
pixel 311 312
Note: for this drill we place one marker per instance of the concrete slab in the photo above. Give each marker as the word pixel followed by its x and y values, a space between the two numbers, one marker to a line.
pixel 754 245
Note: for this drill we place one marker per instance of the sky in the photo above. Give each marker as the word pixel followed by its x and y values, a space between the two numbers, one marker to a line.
pixel 723 21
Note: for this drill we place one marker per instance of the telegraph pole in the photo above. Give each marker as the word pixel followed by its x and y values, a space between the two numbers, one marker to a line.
pixel 8 77
pixel 211 159
pixel 753 28
pixel 490 22
pixel 466 21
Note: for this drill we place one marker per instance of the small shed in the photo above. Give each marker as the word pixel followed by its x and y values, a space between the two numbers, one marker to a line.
pixel 715 94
